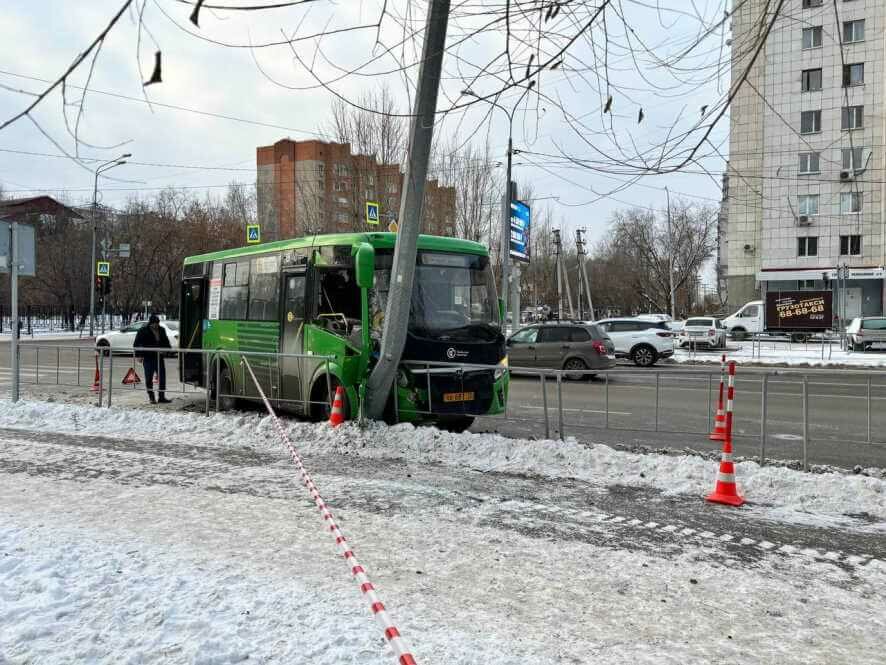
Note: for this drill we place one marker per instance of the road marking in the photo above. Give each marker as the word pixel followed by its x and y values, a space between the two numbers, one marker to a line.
pixel 554 408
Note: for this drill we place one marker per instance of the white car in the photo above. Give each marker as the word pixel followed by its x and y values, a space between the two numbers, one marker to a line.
pixel 121 341
pixel 643 341
pixel 703 330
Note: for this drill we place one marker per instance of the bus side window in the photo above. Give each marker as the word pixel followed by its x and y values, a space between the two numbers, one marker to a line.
pixel 263 280
pixel 295 297
pixel 235 291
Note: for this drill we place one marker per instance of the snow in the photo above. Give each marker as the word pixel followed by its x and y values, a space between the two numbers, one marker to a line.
pixel 785 354
pixel 788 490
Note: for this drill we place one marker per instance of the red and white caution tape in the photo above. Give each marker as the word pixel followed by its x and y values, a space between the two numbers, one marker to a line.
pixel 397 642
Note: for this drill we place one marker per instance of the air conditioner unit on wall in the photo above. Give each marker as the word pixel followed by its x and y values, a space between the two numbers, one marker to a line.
pixel 804 220
pixel 847 174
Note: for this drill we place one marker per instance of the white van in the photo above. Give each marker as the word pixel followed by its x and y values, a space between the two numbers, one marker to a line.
pixel 746 321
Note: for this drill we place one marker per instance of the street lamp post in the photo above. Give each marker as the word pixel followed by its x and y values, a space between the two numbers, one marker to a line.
pixel 107 166
pixel 506 205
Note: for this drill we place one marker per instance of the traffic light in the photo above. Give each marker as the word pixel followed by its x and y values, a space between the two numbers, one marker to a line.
pixel 106 281
pixel 99 284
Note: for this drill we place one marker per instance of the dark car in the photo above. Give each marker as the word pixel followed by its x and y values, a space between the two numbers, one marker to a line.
pixel 576 348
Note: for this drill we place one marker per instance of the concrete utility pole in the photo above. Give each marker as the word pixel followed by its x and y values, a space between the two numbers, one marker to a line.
pixel 13 287
pixel 107 166
pixel 583 275
pixel 406 250
pixel 671 259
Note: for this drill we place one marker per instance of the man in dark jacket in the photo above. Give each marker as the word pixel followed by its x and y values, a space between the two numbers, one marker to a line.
pixel 153 336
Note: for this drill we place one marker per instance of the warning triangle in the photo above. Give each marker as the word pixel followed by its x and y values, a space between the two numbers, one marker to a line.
pixel 131 377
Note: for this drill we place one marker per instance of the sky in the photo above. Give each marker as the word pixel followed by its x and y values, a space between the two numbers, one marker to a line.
pixel 248 87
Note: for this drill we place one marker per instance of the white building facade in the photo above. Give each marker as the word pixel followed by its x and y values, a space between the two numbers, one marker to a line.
pixel 807 186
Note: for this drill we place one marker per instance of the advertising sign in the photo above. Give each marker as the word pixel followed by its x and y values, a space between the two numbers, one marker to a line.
pixel 799 310
pixel 520 229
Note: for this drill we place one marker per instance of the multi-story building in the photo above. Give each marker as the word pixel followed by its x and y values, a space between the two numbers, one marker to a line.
pixel 806 162
pixel 307 187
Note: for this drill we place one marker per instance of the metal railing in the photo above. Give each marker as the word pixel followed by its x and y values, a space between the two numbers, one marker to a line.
pixel 773 405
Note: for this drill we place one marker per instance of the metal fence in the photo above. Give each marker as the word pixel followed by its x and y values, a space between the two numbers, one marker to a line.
pixel 774 407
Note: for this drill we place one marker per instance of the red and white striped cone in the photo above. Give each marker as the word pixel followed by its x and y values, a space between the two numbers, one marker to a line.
pixel 337 415
pixel 726 491
pixel 97 380
pixel 719 431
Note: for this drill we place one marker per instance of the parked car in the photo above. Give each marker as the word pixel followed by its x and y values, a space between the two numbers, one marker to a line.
pixel 575 347
pixel 746 321
pixel 675 326
pixel 121 341
pixel 703 330
pixel 643 341
pixel 866 331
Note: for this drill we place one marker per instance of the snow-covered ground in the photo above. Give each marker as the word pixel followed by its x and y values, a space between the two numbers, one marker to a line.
pixel 151 537
pixel 784 354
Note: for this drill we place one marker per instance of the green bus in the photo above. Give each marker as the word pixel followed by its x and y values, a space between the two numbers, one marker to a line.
pixel 324 296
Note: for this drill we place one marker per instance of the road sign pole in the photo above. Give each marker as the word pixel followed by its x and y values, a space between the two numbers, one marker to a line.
pixel 13 286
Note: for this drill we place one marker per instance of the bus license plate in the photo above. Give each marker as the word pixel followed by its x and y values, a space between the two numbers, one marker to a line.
pixel 458 397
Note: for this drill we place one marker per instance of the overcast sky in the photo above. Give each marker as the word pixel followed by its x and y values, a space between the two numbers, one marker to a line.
pixel 40 39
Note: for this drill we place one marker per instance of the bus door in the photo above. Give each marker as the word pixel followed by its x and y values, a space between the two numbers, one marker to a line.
pixel 193 304
pixel 292 338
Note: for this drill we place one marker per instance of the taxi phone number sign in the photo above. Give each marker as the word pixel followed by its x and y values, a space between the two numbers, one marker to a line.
pixel 794 310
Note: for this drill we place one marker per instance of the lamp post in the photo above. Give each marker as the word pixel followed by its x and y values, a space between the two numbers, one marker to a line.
pixel 508 197
pixel 107 166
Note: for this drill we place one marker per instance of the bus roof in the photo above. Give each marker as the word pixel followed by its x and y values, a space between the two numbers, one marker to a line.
pixel 378 240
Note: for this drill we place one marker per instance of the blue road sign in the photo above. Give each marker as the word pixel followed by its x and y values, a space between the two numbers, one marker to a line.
pixel 372 212
pixel 520 231
pixel 253 233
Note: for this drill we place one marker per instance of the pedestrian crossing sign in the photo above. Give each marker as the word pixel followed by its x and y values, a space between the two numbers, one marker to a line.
pixel 103 268
pixel 253 234
pixel 372 213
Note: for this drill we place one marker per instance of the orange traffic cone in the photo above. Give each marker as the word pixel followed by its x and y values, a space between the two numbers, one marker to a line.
pixel 719 431
pixel 337 416
pixel 96 381
pixel 726 491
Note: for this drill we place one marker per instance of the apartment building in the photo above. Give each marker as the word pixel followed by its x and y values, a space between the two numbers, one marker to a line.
pixel 806 164
pixel 307 187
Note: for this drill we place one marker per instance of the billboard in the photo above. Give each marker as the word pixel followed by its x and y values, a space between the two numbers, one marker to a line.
pixel 520 229
pixel 799 310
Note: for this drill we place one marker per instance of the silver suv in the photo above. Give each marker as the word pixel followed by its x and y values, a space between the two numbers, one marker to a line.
pixel 576 348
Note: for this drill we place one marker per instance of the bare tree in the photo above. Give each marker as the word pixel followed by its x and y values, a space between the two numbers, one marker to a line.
pixel 373 126
pixel 472 172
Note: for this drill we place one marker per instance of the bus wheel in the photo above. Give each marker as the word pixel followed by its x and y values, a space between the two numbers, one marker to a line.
pixel 321 399
pixel 456 424
pixel 223 393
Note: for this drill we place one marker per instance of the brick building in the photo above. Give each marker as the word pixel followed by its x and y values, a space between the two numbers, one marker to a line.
pixel 307 187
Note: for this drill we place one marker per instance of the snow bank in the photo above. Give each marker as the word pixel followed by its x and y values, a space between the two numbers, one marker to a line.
pixel 781 354
pixel 786 489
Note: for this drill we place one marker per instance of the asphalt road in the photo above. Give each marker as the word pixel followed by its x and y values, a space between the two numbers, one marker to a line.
pixel 664 407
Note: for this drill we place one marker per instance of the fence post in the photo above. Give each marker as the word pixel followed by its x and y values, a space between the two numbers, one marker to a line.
pixel 217 385
pixel 869 408
pixel 560 402
pixel 37 363
pixel 111 377
pixel 544 401
pixel 58 361
pixel 710 402
pixel 805 423
pixel 101 378
pixel 206 365
pixel 657 389
pixel 78 365
pixel 763 395
pixel 607 401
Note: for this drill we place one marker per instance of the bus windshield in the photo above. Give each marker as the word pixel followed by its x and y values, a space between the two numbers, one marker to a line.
pixel 453 297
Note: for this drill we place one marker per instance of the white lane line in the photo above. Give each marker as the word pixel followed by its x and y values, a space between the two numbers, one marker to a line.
pixel 553 407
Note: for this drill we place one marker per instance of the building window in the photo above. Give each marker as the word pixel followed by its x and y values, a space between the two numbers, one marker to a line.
pixel 321 170
pixel 341 217
pixel 853 159
pixel 369 195
pixel 807 246
pixel 808 204
pixel 809 162
pixel 811 80
pixel 812 37
pixel 850 245
pixel 853 31
pixel 852 117
pixel 853 74
pixel 812 3
pixel 340 169
pixel 370 179
pixel 806 284
pixel 850 203
pixel 391 187
pixel 810 122
pixel 338 186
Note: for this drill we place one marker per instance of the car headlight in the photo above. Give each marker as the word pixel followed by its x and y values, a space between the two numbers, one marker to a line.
pixel 502 368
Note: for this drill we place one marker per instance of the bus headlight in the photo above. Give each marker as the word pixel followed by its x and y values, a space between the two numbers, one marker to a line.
pixel 502 368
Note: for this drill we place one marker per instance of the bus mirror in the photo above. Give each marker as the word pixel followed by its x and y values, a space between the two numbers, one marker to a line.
pixel 364 264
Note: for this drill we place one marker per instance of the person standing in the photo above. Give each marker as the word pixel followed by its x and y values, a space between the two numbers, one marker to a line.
pixel 153 336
